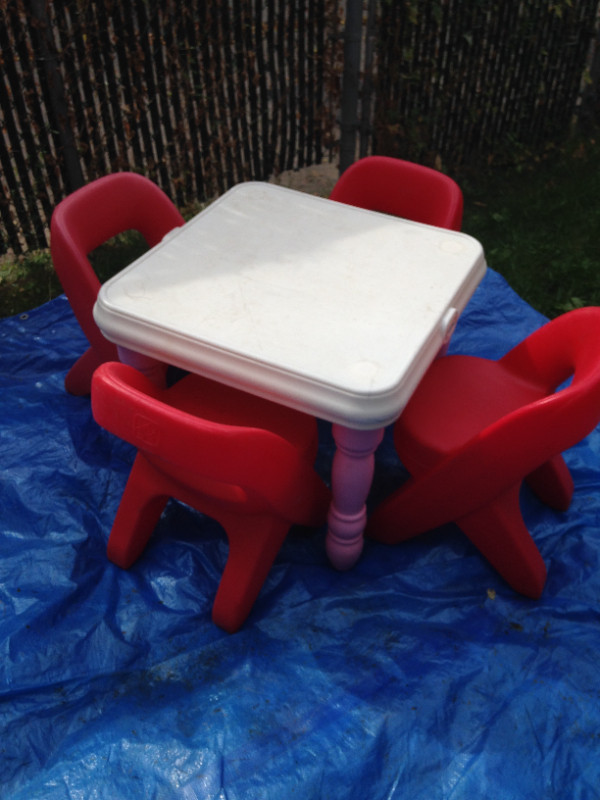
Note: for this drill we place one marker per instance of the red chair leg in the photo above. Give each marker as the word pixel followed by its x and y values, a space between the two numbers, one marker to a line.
pixel 143 502
pixel 78 380
pixel 552 483
pixel 254 542
pixel 497 530
pixel 409 511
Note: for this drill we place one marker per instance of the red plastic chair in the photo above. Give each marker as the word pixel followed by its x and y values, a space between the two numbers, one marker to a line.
pixel 403 189
pixel 243 461
pixel 82 222
pixel 475 429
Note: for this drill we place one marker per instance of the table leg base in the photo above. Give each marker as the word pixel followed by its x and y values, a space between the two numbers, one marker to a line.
pixel 344 542
pixel 351 477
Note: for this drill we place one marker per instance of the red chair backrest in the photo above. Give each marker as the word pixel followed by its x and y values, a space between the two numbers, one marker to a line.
pixel 126 403
pixel 93 215
pixel 567 347
pixel 403 189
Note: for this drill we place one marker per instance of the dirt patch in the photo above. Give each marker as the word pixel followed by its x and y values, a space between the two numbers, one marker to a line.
pixel 319 179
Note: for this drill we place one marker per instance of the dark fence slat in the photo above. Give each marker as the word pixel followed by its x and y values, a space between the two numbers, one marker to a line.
pixel 158 116
pixel 194 113
pixel 263 69
pixel 245 69
pixel 284 89
pixel 172 55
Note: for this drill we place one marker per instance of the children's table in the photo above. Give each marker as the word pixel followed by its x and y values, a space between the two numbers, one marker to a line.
pixel 330 309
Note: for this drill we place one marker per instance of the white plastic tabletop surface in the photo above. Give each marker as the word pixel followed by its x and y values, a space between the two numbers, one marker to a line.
pixel 330 309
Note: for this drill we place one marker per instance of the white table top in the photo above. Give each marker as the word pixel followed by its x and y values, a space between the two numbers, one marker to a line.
pixel 330 309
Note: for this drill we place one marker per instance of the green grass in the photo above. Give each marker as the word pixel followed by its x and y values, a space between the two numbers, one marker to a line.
pixel 539 225
pixel 26 283
pixel 538 222
pixel 30 281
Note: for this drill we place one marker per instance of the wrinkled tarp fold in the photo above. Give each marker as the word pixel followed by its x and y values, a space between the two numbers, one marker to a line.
pixel 417 675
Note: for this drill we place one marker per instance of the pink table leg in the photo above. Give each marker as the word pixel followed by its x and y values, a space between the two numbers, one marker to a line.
pixel 351 477
pixel 153 369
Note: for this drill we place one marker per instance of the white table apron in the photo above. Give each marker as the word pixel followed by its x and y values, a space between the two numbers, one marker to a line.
pixel 329 309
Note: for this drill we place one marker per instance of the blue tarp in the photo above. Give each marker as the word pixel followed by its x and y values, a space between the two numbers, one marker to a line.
pixel 417 675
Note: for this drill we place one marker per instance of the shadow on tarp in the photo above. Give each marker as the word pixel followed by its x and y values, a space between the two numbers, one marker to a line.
pixel 419 674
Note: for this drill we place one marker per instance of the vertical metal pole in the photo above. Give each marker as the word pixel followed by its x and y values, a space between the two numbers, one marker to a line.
pixel 365 123
pixel 350 82
pixel 588 113
pixel 56 94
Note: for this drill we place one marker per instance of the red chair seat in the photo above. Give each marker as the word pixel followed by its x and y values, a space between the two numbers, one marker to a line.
pixel 459 397
pixel 475 429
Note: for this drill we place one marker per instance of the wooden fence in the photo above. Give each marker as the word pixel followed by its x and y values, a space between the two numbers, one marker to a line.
pixel 197 96
pixel 462 81
pixel 203 94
